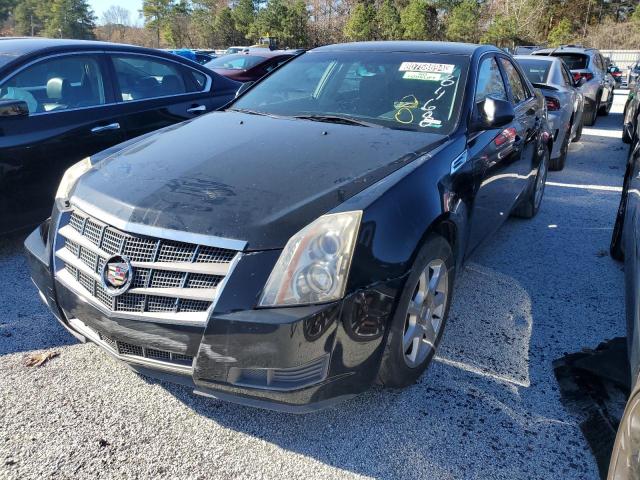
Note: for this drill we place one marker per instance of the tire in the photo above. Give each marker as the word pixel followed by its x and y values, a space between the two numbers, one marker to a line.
pixel 558 163
pixel 530 204
pixel 615 248
pixel 625 136
pixel 435 259
pixel 578 134
pixel 594 116
pixel 604 111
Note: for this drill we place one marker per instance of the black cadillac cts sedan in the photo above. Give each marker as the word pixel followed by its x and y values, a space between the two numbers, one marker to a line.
pixel 299 246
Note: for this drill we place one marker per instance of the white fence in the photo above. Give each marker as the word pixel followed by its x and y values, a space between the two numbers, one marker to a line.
pixel 622 58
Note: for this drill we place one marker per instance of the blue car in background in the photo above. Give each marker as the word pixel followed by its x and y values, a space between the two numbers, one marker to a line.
pixel 193 55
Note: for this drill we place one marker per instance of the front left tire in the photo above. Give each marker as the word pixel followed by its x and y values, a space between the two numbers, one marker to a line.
pixel 420 317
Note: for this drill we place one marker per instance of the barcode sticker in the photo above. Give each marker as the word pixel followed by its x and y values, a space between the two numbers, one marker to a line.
pixel 426 67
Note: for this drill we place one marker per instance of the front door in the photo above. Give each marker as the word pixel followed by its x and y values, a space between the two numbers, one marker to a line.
pixel 69 119
pixel 494 152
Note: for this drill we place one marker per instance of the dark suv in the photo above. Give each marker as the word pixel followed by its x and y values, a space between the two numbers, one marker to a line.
pixel 590 69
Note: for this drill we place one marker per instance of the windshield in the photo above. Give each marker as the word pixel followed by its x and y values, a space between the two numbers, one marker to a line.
pixel 403 90
pixel 239 61
pixel 574 61
pixel 537 71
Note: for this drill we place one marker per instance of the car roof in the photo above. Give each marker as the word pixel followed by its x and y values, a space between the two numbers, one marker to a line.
pixel 453 48
pixel 24 45
pixel 564 49
pixel 16 50
pixel 266 52
pixel 537 57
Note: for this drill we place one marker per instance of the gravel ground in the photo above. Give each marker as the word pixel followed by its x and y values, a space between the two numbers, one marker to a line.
pixel 488 407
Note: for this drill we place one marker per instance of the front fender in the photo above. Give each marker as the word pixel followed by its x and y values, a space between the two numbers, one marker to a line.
pixel 403 209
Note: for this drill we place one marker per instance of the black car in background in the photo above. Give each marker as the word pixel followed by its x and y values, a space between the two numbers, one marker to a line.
pixel 631 114
pixel 625 241
pixel 63 100
pixel 302 244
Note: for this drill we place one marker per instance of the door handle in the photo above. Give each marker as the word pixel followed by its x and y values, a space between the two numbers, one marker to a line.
pixel 197 109
pixel 106 128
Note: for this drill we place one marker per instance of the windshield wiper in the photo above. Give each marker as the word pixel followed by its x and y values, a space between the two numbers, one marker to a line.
pixel 249 111
pixel 345 120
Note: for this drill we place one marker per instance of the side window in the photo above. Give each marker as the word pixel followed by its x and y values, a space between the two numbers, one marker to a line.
pixel 598 62
pixel 276 64
pixel 141 76
pixel 60 83
pixel 518 88
pixel 490 82
pixel 199 80
pixel 567 76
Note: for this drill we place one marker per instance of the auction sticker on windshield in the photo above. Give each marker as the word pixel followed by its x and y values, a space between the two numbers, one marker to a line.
pixel 428 76
pixel 426 67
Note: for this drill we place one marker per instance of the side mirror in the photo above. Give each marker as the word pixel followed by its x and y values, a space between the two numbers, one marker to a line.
pixel 243 88
pixel 13 108
pixel 493 113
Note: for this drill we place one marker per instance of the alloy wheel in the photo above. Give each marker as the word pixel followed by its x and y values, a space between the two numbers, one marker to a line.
pixel 425 314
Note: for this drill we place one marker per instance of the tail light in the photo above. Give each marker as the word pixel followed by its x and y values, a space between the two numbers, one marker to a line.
pixel 507 135
pixel 578 75
pixel 552 104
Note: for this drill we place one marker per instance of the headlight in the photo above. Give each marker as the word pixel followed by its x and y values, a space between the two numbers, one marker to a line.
pixel 625 460
pixel 314 265
pixel 69 179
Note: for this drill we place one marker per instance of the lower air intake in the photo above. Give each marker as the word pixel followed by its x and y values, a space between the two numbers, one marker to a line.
pixel 283 379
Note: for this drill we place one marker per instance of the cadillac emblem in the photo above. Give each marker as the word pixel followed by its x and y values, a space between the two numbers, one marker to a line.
pixel 117 275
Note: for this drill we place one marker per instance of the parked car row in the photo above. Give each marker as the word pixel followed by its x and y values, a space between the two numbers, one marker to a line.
pixel 262 253
pixel 192 249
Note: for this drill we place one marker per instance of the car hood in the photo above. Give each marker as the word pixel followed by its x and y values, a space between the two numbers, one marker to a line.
pixel 246 177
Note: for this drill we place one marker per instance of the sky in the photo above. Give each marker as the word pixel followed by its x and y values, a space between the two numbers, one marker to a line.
pixel 99 6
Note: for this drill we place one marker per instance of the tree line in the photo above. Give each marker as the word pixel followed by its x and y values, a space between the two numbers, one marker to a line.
pixel 308 23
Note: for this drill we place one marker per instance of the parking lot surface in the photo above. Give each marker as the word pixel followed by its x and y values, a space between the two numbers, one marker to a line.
pixel 488 407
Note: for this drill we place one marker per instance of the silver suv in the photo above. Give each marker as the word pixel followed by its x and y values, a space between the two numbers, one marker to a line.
pixel 589 71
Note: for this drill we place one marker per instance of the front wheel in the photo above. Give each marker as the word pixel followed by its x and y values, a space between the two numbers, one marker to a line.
pixel 607 108
pixel 615 248
pixel 594 116
pixel 530 204
pixel 420 317
pixel 558 163
pixel 578 134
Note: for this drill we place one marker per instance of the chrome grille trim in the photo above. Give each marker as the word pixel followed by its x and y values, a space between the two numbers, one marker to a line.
pixel 175 363
pixel 173 281
pixel 159 232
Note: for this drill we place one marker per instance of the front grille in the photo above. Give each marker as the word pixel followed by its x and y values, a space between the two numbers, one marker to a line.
pixel 125 348
pixel 191 271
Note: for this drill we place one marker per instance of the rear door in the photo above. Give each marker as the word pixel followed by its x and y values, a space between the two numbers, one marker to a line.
pixel 527 123
pixel 70 117
pixel 154 92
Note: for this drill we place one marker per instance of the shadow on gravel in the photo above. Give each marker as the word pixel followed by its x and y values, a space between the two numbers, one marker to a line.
pixel 25 323
pixel 595 385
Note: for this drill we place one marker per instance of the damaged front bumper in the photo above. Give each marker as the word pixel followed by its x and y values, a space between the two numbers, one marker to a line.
pixel 295 359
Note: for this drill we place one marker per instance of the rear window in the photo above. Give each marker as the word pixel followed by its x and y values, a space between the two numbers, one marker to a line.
pixel 235 62
pixel 537 71
pixel 574 61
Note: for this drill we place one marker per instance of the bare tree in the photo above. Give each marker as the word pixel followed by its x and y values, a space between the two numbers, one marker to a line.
pixel 116 20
